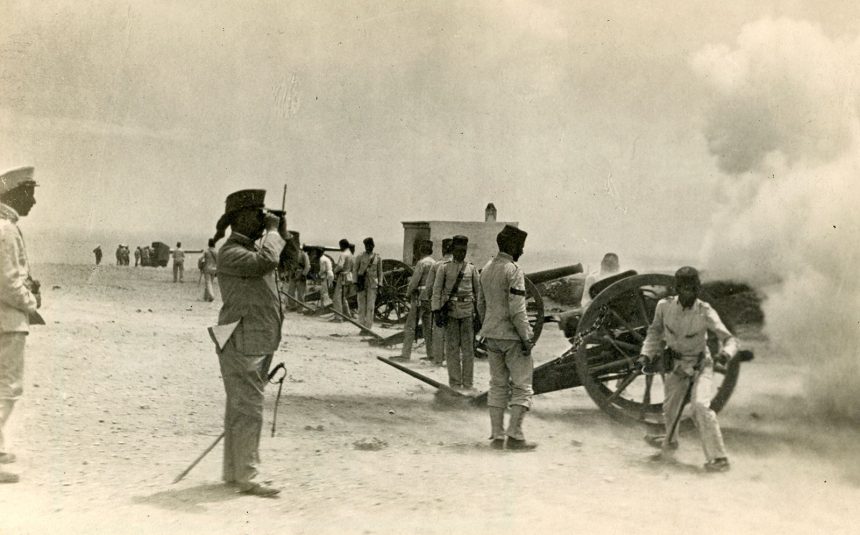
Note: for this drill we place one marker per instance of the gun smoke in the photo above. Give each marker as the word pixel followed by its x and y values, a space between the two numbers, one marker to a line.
pixel 785 132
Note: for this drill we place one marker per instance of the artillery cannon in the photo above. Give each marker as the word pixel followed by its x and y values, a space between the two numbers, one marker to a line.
pixel 534 300
pixel 605 342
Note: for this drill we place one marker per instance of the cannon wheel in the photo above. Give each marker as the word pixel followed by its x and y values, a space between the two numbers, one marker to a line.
pixel 611 333
pixel 392 303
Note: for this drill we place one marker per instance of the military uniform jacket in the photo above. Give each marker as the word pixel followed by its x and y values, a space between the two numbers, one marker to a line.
pixel 16 299
pixel 427 293
pixel 463 301
pixel 418 282
pixel 371 266
pixel 502 301
pixel 246 276
pixel 685 330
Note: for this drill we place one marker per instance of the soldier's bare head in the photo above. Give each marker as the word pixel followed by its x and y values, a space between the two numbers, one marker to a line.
pixel 609 264
pixel 369 245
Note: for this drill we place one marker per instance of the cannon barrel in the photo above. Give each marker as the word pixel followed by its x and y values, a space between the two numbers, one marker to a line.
pixel 547 275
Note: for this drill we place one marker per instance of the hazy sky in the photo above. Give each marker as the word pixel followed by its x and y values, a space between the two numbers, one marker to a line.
pixel 581 120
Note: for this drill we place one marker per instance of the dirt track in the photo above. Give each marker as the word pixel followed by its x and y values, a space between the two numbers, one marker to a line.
pixel 122 392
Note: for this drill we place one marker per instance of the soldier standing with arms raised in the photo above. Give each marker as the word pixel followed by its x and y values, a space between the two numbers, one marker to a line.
pixel 418 309
pixel 246 276
pixel 456 289
pixel 502 304
pixel 19 296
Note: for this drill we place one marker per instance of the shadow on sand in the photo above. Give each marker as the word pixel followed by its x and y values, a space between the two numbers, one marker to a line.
pixel 190 500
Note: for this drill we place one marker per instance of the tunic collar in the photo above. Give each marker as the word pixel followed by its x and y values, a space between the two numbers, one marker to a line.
pixel 241 239
pixel 7 212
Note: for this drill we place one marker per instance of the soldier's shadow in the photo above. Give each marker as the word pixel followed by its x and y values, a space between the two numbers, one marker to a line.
pixel 191 499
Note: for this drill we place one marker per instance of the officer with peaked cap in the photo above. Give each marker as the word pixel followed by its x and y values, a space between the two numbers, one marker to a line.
pixel 435 340
pixel 679 331
pixel 418 310
pixel 456 289
pixel 247 278
pixel 508 337
pixel 20 293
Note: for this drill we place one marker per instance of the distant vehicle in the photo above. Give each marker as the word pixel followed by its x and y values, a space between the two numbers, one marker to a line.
pixel 159 255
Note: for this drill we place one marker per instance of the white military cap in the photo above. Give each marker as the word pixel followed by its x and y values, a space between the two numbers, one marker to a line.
pixel 16 177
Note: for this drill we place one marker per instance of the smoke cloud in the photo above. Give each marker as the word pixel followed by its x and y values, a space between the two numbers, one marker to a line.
pixel 784 130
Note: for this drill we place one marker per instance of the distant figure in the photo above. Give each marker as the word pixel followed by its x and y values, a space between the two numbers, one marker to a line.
pixel 324 275
pixel 679 332
pixel 297 276
pixel 417 309
pixel 98 252
pixel 178 263
pixel 210 262
pixel 368 278
pixel 126 255
pixel 435 339
pixel 137 256
pixel 145 256
pixel 608 267
pixel 119 254
pixel 508 337
pixel 20 297
pixel 343 279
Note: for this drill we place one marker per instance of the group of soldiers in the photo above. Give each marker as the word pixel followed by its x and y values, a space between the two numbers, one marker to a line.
pixel 252 318
pixel 358 276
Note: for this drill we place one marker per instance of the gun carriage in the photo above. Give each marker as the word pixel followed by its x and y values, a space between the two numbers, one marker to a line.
pixel 606 338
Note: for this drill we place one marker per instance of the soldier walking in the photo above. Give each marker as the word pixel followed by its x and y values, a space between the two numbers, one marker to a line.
pixel 368 278
pixel 246 276
pixel 508 336
pixel 21 297
pixel 418 309
pixel 98 252
pixel 455 290
pixel 679 331
pixel 435 340
pixel 137 256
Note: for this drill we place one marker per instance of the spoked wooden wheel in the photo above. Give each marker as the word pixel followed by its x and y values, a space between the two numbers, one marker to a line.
pixel 610 335
pixel 392 303
pixel 534 309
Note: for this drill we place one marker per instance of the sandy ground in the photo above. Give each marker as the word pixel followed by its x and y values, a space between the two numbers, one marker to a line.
pixel 123 392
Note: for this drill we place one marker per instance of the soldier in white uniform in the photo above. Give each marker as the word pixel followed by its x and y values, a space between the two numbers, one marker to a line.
pixel 680 329
pixel 19 297
pixel 456 289
pixel 418 309
pixel 506 328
